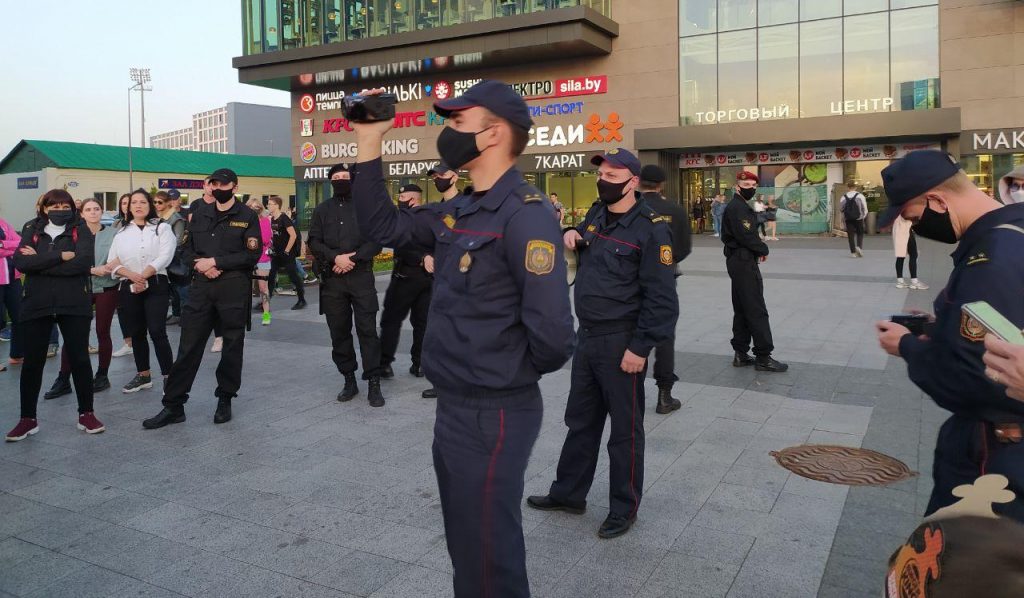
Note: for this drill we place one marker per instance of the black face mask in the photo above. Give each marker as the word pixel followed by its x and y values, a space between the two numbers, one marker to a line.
pixel 456 148
pixel 342 187
pixel 443 185
pixel 60 217
pixel 937 226
pixel 610 193
pixel 223 195
pixel 748 194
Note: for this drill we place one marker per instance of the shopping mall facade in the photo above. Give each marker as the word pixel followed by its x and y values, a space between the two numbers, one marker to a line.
pixel 807 93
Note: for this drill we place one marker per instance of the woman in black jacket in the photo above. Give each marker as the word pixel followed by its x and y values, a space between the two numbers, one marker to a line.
pixel 56 255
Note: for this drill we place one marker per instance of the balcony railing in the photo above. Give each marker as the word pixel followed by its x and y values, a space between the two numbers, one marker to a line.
pixel 272 25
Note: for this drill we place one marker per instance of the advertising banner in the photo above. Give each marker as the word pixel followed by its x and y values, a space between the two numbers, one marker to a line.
pixel 842 153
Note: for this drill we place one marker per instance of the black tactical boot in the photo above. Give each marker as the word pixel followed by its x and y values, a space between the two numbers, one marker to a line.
pixel 387 372
pixel 374 395
pixel 767 364
pixel 61 386
pixel 742 360
pixel 351 388
pixel 666 403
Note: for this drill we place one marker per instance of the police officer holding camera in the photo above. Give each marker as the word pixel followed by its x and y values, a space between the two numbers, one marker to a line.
pixel 348 292
pixel 983 435
pixel 499 320
pixel 224 243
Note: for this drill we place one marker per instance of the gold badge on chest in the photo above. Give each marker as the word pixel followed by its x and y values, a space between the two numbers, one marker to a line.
pixel 465 262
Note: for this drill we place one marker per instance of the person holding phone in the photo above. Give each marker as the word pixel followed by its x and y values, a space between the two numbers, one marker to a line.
pixel 983 435
pixel 138 260
pixel 1004 364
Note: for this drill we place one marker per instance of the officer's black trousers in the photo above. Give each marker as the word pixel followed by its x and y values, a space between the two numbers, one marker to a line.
pixel 224 300
pixel 600 389
pixel 967 449
pixel 481 448
pixel 665 364
pixel 750 314
pixel 281 260
pixel 345 298
pixel 405 295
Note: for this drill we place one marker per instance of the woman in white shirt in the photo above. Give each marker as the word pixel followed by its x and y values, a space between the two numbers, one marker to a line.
pixel 138 259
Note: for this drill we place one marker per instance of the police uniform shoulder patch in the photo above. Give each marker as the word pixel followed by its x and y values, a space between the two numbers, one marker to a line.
pixel 184 238
pixel 237 224
pixel 746 224
pixel 591 228
pixel 659 219
pixel 252 243
pixel 449 220
pixel 666 254
pixel 540 257
pixel 532 198
pixel 971 329
pixel 978 258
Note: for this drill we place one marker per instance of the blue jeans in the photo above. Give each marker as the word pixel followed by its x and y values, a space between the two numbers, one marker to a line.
pixel 717 218
pixel 301 270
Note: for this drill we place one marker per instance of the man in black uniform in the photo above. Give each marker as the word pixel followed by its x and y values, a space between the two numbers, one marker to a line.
pixel 223 241
pixel 626 302
pixel 983 436
pixel 652 183
pixel 409 292
pixel 348 291
pixel 744 250
pixel 499 319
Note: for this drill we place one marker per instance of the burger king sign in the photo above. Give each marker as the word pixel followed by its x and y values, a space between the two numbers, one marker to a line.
pixel 307 153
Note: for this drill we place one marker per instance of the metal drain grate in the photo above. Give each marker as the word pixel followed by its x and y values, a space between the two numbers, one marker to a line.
pixel 842 465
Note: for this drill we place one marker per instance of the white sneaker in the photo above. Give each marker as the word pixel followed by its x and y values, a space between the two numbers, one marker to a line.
pixel 125 350
pixel 218 344
pixel 917 285
pixel 901 283
pixel 853 255
pixel 860 252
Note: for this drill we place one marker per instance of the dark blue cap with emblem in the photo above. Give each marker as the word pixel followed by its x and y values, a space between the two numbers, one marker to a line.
pixel 493 95
pixel 174 194
pixel 440 168
pixel 912 176
pixel 619 158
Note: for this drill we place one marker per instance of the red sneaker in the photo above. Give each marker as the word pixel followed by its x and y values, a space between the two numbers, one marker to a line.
pixel 89 423
pixel 25 428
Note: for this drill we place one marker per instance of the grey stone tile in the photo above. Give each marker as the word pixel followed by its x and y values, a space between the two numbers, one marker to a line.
pixel 60 528
pixel 359 573
pixel 717 546
pixel 627 559
pixel 730 519
pixel 400 542
pixel 560 544
pixel 292 555
pixel 743 497
pixel 417 581
pixel 598 583
pixel 125 507
pixel 90 581
pixel 14 476
pixel 329 525
pixel 41 570
pixel 68 493
pixel 201 573
pixel 148 557
pixel 690 576
pixel 862 575
pixel 779 569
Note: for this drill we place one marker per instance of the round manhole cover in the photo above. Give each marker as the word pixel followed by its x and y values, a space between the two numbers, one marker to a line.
pixel 842 465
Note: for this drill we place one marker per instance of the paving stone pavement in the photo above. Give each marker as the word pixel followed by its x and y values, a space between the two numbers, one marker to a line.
pixel 302 496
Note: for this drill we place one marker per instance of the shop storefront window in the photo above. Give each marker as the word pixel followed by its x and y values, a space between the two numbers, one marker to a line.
pixel 736 14
pixel 698 62
pixel 778 57
pixel 821 75
pixel 737 69
pixel 867 175
pixel 697 17
pixel 856 7
pixel 777 12
pixel 271 25
pixel 985 170
pixel 820 9
pixel 915 58
pixel 866 49
pixel 253 27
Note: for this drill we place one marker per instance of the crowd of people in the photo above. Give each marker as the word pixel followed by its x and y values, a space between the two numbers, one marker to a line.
pixel 482 277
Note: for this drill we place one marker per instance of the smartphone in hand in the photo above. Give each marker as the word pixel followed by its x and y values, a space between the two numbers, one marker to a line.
pixel 917 324
pixel 993 322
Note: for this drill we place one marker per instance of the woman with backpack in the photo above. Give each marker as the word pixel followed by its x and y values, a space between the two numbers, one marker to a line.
pixel 138 260
pixel 56 256
pixel 287 243
pixel 104 298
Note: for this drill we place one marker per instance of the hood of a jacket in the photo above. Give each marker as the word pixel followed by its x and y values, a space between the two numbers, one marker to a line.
pixel 1004 184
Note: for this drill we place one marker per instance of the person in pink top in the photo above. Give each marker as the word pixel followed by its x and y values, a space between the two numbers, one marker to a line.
pixel 263 266
pixel 10 287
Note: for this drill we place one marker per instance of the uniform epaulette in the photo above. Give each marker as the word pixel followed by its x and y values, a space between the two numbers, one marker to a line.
pixel 651 215
pixel 532 198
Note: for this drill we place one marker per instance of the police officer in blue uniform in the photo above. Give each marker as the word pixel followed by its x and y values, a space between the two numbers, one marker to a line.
pixel 408 294
pixel 744 251
pixel 652 184
pixel 626 301
pixel 499 319
pixel 223 241
pixel 984 433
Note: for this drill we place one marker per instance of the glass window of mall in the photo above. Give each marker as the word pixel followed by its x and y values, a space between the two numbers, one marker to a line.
pixel 744 60
pixel 272 25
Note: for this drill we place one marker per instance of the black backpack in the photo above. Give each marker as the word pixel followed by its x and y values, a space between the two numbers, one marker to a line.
pixel 851 209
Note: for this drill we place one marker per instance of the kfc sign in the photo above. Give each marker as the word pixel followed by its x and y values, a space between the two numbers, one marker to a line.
pixel 402 120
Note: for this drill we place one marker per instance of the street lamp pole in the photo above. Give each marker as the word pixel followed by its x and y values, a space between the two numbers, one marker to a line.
pixel 131 182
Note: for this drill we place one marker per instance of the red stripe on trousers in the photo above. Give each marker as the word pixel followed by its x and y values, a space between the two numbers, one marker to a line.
pixel 485 527
pixel 632 455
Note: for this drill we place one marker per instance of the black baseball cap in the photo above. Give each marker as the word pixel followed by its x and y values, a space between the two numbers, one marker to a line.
pixel 652 173
pixel 441 168
pixel 410 188
pixel 174 194
pixel 224 175
pixel 496 96
pixel 912 176
pixel 620 158
pixel 338 168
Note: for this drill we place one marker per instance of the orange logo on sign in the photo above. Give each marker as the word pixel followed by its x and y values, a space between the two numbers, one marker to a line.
pixel 595 126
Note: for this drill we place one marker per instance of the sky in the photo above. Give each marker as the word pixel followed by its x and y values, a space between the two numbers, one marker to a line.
pixel 64 71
